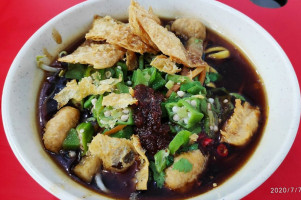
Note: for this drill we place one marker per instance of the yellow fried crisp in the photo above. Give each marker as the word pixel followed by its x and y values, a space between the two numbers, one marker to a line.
pixel 131 60
pixel 118 101
pixel 118 33
pixel 84 88
pixel 142 175
pixel 99 55
pixel 134 10
pixel 165 64
pixel 113 151
pixel 167 42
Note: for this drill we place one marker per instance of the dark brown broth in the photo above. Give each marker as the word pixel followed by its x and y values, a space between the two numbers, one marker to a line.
pixel 238 76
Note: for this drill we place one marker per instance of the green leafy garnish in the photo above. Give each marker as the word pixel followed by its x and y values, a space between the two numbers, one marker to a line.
pixel 159 178
pixel 182 165
pixel 76 71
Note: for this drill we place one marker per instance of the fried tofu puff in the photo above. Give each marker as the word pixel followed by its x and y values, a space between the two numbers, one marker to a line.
pixel 180 181
pixel 58 127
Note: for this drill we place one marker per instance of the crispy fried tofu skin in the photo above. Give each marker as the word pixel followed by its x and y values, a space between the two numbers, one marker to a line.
pixel 117 154
pixel 117 33
pixel 87 168
pixel 131 60
pixel 83 88
pixel 101 56
pixel 176 180
pixel 145 25
pixel 58 127
pixel 164 64
pixel 239 129
pixel 135 11
pixel 141 177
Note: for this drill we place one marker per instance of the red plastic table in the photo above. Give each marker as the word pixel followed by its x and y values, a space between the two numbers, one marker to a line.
pixel 19 19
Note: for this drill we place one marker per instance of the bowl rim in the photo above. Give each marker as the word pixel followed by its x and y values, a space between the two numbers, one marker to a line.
pixel 246 189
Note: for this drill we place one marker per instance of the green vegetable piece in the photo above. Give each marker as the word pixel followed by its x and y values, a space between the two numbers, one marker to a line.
pixel 89 71
pixel 184 115
pixel 182 138
pixel 158 83
pixel 139 78
pixel 161 159
pixel 238 96
pixel 159 177
pixel 187 148
pixel 177 78
pixel 169 161
pixel 123 68
pixel 194 87
pixel 85 133
pixel 169 84
pixel 152 73
pixel 126 132
pixel 75 71
pixel 71 142
pixel 184 87
pixel 98 109
pixel 88 103
pixel 122 88
pixel 214 76
pixel 141 62
pixel 182 165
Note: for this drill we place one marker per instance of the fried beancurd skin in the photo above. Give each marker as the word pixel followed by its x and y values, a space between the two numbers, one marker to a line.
pixel 239 129
pixel 142 175
pixel 167 42
pixel 117 154
pixel 165 64
pixel 57 128
pixel 87 168
pixel 117 33
pixel 134 10
pixel 100 56
pixel 180 181
pixel 131 60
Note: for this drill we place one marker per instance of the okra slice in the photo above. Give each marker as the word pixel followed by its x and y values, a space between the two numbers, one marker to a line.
pixel 182 138
pixel 161 159
pixel 85 133
pixel 183 113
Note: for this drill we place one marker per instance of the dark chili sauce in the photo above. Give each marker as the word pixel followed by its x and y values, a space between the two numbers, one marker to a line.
pixel 238 76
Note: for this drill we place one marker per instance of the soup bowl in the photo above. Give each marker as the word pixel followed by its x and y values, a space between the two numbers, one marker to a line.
pixel 19 100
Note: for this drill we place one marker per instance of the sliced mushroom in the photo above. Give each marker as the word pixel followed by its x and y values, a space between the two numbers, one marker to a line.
pixel 239 129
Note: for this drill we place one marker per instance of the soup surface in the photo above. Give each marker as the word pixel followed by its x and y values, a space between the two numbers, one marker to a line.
pixel 180 128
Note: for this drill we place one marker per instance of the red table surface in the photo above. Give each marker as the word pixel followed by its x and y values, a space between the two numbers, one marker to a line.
pixel 19 19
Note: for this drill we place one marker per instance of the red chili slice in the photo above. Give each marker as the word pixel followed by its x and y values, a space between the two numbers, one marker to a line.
pixel 222 150
pixel 206 142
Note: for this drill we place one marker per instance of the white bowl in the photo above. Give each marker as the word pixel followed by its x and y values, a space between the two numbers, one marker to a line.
pixel 19 100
